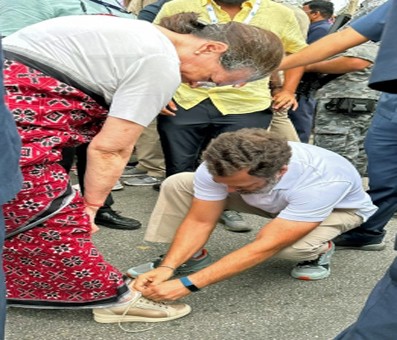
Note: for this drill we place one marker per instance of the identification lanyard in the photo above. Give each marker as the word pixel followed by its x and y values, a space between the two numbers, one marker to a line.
pixel 251 14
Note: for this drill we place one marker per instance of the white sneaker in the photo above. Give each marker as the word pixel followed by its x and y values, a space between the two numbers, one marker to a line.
pixel 117 186
pixel 144 180
pixel 140 309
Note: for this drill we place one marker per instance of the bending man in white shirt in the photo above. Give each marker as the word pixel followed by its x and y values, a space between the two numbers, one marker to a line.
pixel 312 194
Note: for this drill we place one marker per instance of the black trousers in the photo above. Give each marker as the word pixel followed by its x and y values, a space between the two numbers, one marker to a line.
pixel 184 136
pixel 81 154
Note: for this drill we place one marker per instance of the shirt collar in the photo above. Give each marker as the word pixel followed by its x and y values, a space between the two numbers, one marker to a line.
pixel 249 3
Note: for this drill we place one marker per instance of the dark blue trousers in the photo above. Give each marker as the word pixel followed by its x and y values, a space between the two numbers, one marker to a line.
pixel 378 319
pixel 2 280
pixel 302 117
pixel 381 148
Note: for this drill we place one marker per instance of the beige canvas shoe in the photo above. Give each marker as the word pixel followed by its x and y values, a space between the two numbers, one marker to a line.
pixel 140 309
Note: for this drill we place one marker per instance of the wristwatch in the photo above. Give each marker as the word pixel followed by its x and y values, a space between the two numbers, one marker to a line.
pixel 189 284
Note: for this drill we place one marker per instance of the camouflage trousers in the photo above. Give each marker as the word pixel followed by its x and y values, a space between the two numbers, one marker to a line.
pixel 343 134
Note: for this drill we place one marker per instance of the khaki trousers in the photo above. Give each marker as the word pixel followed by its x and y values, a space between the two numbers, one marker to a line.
pixel 175 199
pixel 282 126
pixel 149 153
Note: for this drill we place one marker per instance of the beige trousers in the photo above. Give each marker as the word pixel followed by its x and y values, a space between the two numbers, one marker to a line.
pixel 149 153
pixel 174 202
pixel 281 124
pixel 135 6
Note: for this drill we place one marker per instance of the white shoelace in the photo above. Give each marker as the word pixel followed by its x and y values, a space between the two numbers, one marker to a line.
pixel 131 304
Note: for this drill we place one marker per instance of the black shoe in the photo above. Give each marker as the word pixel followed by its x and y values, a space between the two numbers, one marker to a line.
pixel 156 187
pixel 111 219
pixel 345 243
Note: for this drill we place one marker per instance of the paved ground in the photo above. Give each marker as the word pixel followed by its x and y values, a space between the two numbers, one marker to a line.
pixel 264 303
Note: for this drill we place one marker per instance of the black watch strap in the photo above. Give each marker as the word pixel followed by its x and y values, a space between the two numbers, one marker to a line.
pixel 189 284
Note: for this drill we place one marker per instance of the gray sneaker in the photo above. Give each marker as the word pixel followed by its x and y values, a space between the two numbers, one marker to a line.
pixel 317 269
pixel 144 180
pixel 132 171
pixel 233 221
pixel 118 186
pixel 189 267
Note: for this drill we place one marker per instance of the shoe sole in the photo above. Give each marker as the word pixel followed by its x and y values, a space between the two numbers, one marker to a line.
pixel 112 226
pixel 139 185
pixel 131 318
pixel 134 275
pixel 368 247
pixel 130 176
pixel 234 228
pixel 308 278
pixel 237 230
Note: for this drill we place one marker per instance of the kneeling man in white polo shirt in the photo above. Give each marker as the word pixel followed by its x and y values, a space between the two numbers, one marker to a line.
pixel 311 194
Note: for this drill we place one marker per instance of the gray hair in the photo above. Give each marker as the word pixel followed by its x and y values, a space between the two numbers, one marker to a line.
pixel 249 47
pixel 263 153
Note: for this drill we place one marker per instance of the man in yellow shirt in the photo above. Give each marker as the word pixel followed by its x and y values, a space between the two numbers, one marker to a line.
pixel 199 114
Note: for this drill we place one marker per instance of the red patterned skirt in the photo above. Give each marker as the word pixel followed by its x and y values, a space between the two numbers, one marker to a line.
pixel 54 264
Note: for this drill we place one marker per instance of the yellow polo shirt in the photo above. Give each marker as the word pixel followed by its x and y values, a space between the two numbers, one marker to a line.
pixel 254 96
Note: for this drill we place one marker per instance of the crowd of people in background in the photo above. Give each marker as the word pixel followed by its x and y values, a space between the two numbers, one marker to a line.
pixel 224 107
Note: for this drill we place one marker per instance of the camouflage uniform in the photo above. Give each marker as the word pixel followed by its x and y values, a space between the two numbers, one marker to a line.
pixel 345 108
pixel 367 6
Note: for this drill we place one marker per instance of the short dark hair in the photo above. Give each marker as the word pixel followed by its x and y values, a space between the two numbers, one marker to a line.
pixel 261 152
pixel 326 8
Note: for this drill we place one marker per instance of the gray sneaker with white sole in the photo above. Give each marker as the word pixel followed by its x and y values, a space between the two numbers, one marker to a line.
pixel 317 269
pixel 144 180
pixel 189 267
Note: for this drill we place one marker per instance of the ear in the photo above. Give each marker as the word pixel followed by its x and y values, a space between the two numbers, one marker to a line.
pixel 283 170
pixel 315 14
pixel 212 46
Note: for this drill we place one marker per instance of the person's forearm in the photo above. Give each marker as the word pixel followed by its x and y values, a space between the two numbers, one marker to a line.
pixel 233 264
pixel 104 168
pixel 324 48
pixel 292 78
pixel 271 239
pixel 107 155
pixel 187 241
pixel 339 65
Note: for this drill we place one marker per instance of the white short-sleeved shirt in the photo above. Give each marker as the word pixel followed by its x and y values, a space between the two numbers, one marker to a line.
pixel 317 181
pixel 129 63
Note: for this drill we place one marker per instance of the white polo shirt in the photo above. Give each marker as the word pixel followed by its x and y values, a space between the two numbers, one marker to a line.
pixel 317 181
pixel 128 63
